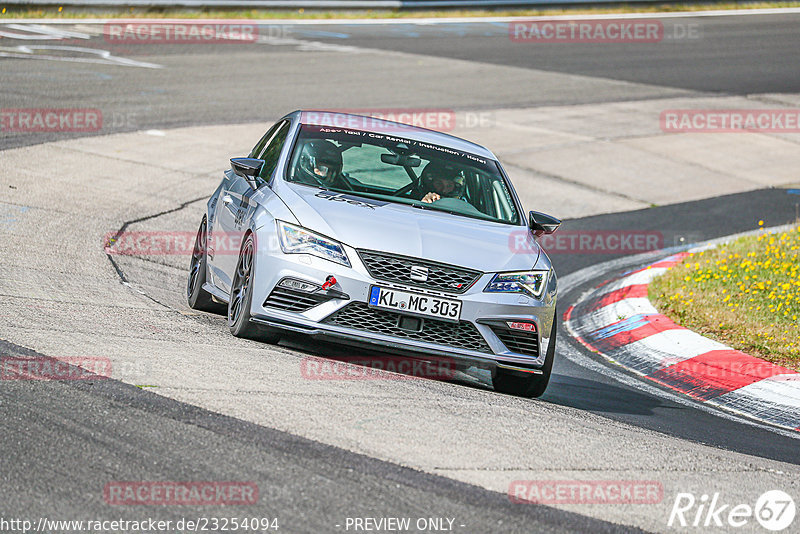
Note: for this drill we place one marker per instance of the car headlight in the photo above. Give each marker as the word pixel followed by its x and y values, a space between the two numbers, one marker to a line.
pixel 531 282
pixel 297 240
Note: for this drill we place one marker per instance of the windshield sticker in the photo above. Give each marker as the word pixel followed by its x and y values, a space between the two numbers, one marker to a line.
pixel 355 201
pixel 395 139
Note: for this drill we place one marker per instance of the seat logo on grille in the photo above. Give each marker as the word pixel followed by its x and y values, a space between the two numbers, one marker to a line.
pixel 419 274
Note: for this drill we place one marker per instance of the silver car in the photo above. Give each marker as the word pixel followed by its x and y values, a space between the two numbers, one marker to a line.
pixel 383 235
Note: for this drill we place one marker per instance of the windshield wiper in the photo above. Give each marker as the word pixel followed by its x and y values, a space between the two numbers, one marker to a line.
pixel 481 217
pixel 451 212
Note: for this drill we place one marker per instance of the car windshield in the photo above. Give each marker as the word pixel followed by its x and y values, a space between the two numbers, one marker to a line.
pixel 395 169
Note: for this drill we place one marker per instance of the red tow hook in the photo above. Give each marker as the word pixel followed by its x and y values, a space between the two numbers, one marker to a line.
pixel 329 282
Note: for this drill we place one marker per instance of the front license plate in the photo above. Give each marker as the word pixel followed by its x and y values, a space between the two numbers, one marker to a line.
pixel 415 303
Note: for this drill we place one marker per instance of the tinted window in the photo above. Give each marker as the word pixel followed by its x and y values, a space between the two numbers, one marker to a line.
pixel 272 150
pixel 263 141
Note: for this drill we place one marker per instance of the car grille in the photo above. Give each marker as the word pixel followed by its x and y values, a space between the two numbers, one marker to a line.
pixel 359 316
pixel 287 300
pixel 518 341
pixel 397 269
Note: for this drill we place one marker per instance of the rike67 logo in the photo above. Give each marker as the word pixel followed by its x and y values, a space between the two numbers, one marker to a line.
pixel 774 510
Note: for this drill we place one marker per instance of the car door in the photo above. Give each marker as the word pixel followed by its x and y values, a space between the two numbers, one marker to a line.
pixel 237 205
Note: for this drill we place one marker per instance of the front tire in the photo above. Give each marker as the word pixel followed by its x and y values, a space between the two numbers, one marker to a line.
pixel 197 297
pixel 242 298
pixel 528 385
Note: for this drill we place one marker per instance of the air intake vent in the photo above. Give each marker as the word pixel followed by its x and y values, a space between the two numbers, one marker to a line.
pixel 518 341
pixel 359 316
pixel 288 300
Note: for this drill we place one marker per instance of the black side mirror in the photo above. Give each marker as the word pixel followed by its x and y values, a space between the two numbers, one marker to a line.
pixel 541 223
pixel 247 168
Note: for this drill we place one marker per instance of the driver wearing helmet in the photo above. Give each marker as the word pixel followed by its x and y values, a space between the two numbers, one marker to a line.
pixel 320 164
pixel 441 180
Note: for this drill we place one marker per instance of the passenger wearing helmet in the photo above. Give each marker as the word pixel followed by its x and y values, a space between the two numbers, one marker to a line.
pixel 320 163
pixel 441 180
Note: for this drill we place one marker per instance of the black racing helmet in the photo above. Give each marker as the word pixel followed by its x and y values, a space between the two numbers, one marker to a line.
pixel 444 171
pixel 320 160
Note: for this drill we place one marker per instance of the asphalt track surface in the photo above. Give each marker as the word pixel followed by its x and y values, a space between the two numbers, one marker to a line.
pixel 726 55
pixel 56 456
pixel 231 83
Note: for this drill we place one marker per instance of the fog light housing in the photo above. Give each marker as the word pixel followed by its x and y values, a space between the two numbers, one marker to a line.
pixel 298 285
pixel 519 325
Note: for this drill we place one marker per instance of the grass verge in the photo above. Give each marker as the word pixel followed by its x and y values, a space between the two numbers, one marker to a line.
pixel 745 294
pixel 70 12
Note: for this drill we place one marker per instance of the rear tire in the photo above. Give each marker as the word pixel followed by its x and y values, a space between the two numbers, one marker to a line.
pixel 529 384
pixel 242 298
pixel 197 297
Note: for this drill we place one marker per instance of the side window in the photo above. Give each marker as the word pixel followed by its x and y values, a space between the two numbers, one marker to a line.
pixel 272 150
pixel 263 141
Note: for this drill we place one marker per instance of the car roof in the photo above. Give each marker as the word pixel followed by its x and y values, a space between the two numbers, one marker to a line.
pixel 378 125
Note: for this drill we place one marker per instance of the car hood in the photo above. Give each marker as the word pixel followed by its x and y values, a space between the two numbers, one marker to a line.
pixel 365 223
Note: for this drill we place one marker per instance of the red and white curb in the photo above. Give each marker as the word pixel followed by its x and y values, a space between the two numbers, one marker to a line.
pixel 617 320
